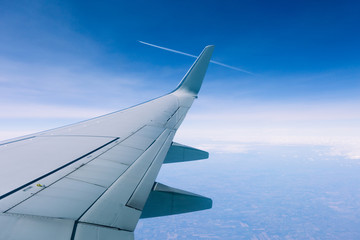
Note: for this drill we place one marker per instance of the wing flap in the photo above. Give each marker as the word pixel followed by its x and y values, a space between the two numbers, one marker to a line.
pixel 19 227
pixel 92 232
pixel 122 155
pixel 102 173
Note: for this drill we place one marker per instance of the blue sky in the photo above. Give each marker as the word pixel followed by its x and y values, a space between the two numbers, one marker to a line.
pixel 65 61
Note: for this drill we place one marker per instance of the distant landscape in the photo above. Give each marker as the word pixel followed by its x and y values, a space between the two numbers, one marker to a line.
pixel 289 192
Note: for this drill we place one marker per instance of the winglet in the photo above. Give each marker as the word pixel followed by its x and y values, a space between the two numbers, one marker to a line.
pixel 191 83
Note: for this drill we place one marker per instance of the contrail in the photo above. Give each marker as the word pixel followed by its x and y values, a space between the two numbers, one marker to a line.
pixel 194 56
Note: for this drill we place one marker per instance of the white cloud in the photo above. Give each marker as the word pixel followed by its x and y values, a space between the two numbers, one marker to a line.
pixel 231 130
pixel 225 147
pixel 238 127
pixel 350 150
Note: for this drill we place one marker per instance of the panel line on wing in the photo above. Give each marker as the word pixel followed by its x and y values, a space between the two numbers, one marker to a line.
pixel 172 114
pixel 62 167
pixel 78 168
pixel 104 226
pixel 79 180
pixel 44 194
pixel 56 170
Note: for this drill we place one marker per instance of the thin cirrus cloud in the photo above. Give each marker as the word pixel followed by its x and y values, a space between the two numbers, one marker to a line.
pixel 194 56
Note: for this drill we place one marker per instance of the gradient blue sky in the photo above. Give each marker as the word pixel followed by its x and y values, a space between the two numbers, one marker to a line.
pixel 65 61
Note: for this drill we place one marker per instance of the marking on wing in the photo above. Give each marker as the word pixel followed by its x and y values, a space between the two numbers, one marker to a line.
pixel 12 153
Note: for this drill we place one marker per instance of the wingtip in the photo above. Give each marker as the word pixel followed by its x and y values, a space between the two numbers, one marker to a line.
pixel 209 47
pixel 193 79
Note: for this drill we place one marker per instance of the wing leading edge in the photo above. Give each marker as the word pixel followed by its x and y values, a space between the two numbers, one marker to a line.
pixel 92 180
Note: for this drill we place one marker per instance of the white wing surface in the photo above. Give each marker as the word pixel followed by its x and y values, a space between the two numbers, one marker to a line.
pixel 94 179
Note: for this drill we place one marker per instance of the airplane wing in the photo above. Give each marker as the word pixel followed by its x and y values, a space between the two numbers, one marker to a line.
pixel 94 179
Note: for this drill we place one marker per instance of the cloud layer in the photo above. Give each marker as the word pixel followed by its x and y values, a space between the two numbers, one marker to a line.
pixel 241 126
